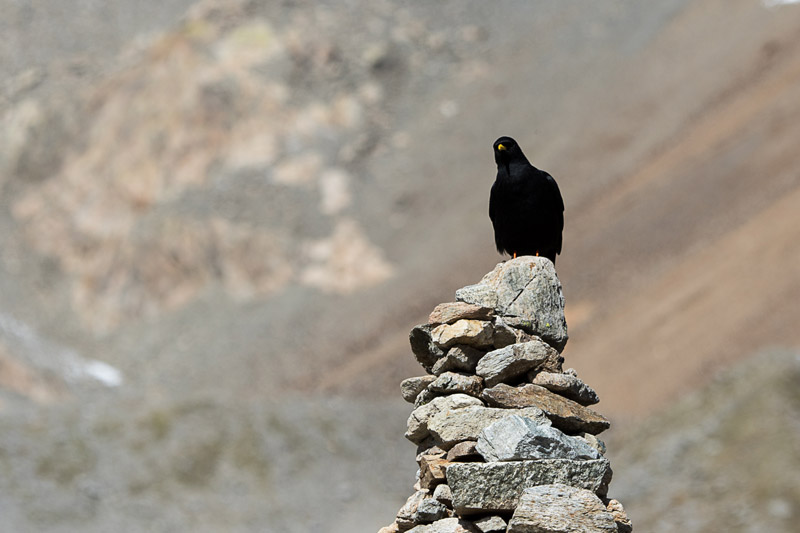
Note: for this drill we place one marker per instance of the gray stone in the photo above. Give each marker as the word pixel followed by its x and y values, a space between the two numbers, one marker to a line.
pixel 459 358
pixel 565 414
pixel 424 397
pixel 527 293
pixel 477 333
pixel 446 525
pixel 450 312
pixel 443 494
pixel 514 360
pixel 430 510
pixel 505 335
pixel 517 438
pixel 450 382
pixel 491 524
pixel 405 516
pixel 592 441
pixel 423 347
pixel 487 487
pixel 560 508
pixel 411 387
pixel 452 426
pixel 419 418
pixel 567 385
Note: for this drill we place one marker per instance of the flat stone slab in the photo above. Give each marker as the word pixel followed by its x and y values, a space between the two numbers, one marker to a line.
pixel 477 333
pixel 560 508
pixel 449 427
pixel 491 524
pixel 515 360
pixel 527 292
pixel 515 438
pixel 450 312
pixel 487 487
pixel 565 414
pixel 567 385
pixel 452 382
pixel 446 525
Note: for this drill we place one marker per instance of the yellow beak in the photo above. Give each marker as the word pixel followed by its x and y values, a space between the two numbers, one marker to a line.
pixel 500 147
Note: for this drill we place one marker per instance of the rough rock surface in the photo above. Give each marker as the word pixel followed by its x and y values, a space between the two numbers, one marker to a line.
pixel 528 292
pixel 564 413
pixel 499 418
pixel 516 438
pixel 560 508
pixel 458 425
pixel 514 360
pixel 481 487
pixel 568 385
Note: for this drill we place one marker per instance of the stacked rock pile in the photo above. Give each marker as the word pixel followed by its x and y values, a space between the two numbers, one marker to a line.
pixel 506 442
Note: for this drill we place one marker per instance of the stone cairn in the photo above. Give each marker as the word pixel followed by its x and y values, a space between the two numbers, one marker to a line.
pixel 506 442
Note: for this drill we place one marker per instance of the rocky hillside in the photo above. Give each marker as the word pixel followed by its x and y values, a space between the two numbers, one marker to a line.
pixel 238 203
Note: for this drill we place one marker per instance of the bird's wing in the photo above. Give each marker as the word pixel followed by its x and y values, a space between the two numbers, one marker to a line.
pixel 556 192
pixel 492 208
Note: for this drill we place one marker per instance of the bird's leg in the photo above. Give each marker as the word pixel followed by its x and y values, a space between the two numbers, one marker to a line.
pixel 515 255
pixel 537 253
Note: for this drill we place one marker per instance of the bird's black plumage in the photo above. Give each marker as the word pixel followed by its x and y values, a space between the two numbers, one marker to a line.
pixel 525 205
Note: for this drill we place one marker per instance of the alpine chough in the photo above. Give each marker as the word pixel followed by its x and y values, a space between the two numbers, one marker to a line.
pixel 525 205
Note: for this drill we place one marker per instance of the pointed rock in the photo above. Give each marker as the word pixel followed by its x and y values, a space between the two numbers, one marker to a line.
pixel 491 524
pixel 505 335
pixel 560 508
pixel 527 293
pixel 430 510
pixel 565 414
pixel 464 451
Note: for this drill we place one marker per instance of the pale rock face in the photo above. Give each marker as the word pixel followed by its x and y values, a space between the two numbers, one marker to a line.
pixel 561 508
pixel 507 363
pixel 451 427
pixel 517 438
pixel 420 417
pixel 528 292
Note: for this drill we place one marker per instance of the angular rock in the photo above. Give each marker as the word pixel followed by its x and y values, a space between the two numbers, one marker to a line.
pixel 425 350
pixel 446 525
pixel 592 441
pixel 565 414
pixel 491 524
pixel 527 293
pixel 566 385
pixel 411 387
pixel 391 528
pixel 517 438
pixel 487 487
pixel 505 335
pixel 456 425
pixel 450 383
pixel 405 516
pixel 443 494
pixel 430 510
pixel 464 451
pixel 460 357
pixel 619 515
pixel 560 508
pixel 514 360
pixel 477 333
pixel 425 397
pixel 431 471
pixel 450 312
pixel 419 418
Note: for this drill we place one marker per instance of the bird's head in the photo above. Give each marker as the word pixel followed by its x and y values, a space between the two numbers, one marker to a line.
pixel 506 149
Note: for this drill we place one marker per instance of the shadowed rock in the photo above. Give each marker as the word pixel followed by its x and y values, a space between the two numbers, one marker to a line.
pixel 565 414
pixel 517 359
pixel 567 385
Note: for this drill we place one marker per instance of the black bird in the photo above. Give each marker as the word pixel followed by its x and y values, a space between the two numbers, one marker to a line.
pixel 525 205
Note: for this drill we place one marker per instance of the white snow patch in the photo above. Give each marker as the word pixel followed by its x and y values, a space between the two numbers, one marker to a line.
pixel 777 3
